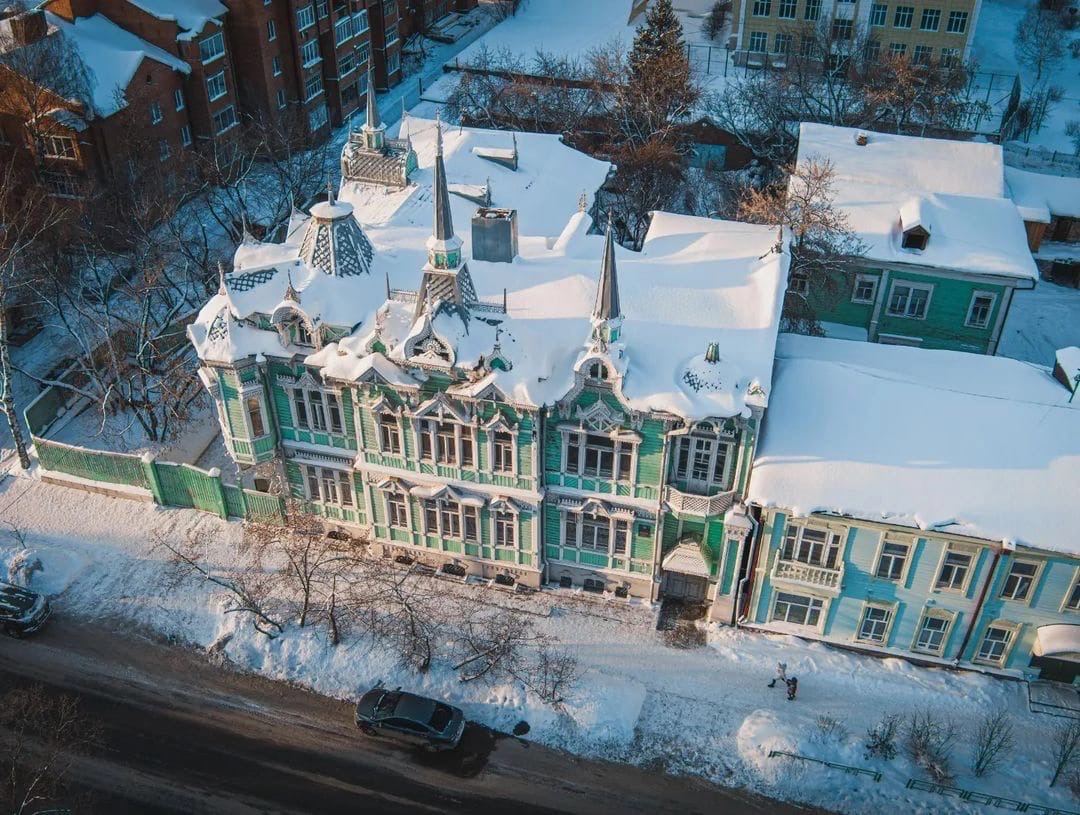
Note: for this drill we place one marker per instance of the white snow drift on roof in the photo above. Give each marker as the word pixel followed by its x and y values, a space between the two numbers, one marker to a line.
pixel 960 188
pixel 1040 195
pixel 190 15
pixel 112 55
pixel 696 281
pixel 974 445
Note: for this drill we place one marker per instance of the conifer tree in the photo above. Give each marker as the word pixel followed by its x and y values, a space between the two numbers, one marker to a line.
pixel 659 38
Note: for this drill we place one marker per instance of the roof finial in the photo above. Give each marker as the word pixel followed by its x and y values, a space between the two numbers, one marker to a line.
pixel 438 133
pixel 290 292
pixel 712 353
pixel 607 295
pixel 245 233
pixel 387 284
pixel 330 197
pixel 583 202
pixel 222 289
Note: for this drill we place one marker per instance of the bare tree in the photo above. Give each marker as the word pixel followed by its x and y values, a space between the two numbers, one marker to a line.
pixel 1065 744
pixel 993 741
pixel 881 737
pixel 1040 40
pixel 248 581
pixel 43 735
pixel 28 216
pixel 716 19
pixel 930 737
pixel 824 251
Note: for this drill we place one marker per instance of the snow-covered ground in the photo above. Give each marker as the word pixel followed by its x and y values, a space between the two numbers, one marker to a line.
pixel 994 51
pixel 705 711
pixel 1040 322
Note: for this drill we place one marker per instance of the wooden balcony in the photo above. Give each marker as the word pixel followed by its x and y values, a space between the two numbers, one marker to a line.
pixel 805 574
pixel 704 505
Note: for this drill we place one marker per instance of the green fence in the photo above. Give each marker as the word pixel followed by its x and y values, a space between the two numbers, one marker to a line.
pixel 94 465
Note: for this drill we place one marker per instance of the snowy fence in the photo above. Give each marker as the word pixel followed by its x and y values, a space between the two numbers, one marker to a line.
pixel 170 484
pixel 974 797
pixel 847 768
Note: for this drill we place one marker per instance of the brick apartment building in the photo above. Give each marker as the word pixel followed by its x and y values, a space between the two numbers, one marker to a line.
pixel 925 31
pixel 174 74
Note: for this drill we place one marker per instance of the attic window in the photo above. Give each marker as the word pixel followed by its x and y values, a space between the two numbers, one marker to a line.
pixel 303 336
pixel 915 238
pixel 598 372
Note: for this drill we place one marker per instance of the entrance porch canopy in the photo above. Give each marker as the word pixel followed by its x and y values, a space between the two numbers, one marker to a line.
pixel 686 558
pixel 1058 641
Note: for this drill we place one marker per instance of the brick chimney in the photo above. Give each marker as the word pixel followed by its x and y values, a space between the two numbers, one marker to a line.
pixel 28 27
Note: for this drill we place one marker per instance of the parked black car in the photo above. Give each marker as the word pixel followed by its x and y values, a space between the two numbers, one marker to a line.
pixel 410 719
pixel 22 612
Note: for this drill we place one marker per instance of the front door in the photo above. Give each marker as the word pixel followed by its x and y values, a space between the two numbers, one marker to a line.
pixel 685 587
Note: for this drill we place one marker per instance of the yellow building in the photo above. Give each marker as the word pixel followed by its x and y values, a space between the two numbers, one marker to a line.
pixel 923 30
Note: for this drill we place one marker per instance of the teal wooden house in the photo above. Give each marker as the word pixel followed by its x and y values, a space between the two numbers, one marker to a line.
pixel 943 247
pixel 931 516
pixel 581 416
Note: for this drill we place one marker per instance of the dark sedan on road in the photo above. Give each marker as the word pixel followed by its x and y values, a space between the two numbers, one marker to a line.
pixel 22 612
pixel 409 718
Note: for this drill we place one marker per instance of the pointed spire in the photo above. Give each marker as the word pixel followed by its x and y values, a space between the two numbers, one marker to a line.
pixel 583 202
pixel 444 224
pixel 712 353
pixel 331 198
pixel 222 289
pixel 372 122
pixel 607 295
pixel 290 292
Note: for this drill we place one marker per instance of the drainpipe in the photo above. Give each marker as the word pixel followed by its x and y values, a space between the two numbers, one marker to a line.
pixel 977 613
pixel 744 583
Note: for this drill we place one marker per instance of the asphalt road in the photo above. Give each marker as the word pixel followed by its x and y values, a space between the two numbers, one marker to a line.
pixel 182 735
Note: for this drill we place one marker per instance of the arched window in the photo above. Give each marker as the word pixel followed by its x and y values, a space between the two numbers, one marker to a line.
pixel 598 371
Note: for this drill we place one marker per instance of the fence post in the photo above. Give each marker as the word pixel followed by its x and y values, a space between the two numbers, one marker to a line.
pixel 219 492
pixel 150 468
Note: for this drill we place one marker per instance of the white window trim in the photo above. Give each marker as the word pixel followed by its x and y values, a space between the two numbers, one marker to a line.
pixel 513 512
pixel 178 99
pixel 378 414
pixel 860 278
pixel 927 287
pixel 971 305
pixel 841 533
pixel 318 54
pixel 629 520
pixel 717 439
pixel 310 7
pixel 408 509
pixel 216 56
pixel 64 139
pixel 1035 578
pixel 1012 627
pixel 462 510
pixel 339 477
pixel 822 616
pixel 899 540
pixel 512 432
pixel 966 549
pixel 1065 608
pixel 868 604
pixel 327 394
pixel 224 86
pixel 938 613
pixel 435 421
pixel 616 472
pixel 271 30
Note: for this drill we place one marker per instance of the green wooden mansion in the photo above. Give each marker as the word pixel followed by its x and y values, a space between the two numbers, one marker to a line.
pixel 519 401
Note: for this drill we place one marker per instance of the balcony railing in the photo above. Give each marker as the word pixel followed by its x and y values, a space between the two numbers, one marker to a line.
pixel 806 574
pixel 703 505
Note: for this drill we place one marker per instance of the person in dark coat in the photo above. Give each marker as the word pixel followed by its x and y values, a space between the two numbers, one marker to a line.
pixel 792 688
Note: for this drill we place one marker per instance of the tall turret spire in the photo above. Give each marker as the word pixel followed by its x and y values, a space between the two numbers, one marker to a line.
pixel 373 122
pixel 444 223
pixel 607 294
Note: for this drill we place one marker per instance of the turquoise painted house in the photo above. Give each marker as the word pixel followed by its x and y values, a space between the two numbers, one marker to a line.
pixel 943 246
pixel 921 503
pixel 522 403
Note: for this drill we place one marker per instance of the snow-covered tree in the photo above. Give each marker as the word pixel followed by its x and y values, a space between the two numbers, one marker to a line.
pixel 657 39
pixel 1040 40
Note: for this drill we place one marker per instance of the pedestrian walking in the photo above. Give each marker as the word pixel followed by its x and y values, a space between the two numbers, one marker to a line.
pixel 792 688
pixel 781 674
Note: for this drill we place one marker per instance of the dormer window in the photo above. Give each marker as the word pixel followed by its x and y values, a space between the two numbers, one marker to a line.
pixel 598 372
pixel 915 238
pixel 303 335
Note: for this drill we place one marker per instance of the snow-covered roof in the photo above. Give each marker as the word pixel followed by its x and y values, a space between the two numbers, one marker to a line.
pixel 189 15
pixel 981 446
pixel 112 56
pixel 695 281
pixel 1040 195
pixel 956 189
